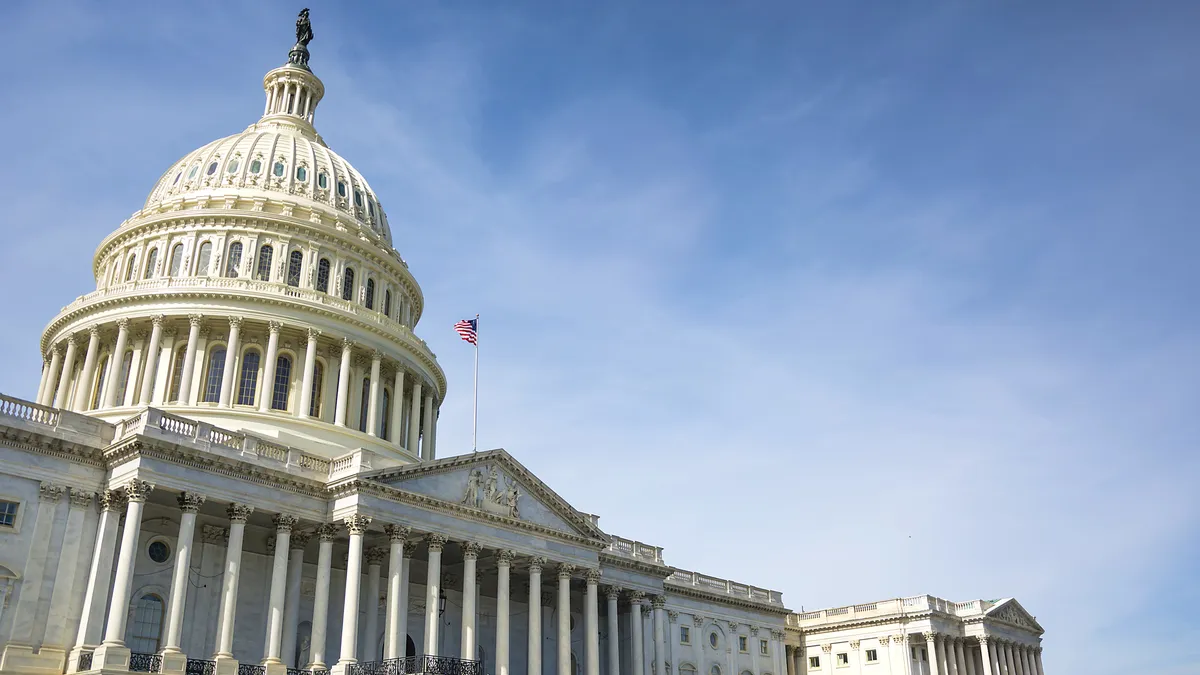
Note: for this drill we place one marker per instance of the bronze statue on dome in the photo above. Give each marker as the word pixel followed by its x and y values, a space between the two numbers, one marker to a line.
pixel 299 53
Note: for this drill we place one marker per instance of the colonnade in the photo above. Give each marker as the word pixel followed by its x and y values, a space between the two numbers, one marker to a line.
pixel 283 607
pixel 167 368
pixel 958 655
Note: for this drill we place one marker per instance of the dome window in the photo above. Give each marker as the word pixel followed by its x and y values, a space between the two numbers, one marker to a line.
pixel 256 166
pixel 301 173
pixel 348 284
pixel 204 260
pixel 177 177
pixel 283 382
pixel 323 275
pixel 278 170
pixel 151 260
pixel 176 260
pixel 264 263
pixel 358 198
pixel 295 262
pixel 323 180
pixel 233 166
pixel 371 208
pixel 248 381
pixel 212 168
pixel 192 173
pixel 341 188
pixel 370 299
pixel 234 261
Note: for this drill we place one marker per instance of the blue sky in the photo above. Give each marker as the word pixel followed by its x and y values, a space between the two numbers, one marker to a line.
pixel 851 300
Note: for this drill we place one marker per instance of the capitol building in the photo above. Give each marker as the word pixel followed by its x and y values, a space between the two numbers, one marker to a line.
pixel 231 467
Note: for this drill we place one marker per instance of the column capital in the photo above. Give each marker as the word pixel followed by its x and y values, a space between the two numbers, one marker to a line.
pixel 565 570
pixel 536 564
pixel 397 533
pixel 299 540
pixel 471 549
pixel 612 592
pixel 93 332
pixel 313 334
pixel 1038 650
pixel 195 319
pixel 190 502
pixel 658 602
pixel 984 639
pixel 854 645
pixel 828 648
pixel 273 327
pixel 80 499
pixel 930 636
pixel 347 344
pixel 284 522
pixel 327 531
pixel 636 597
pixel 357 523
pixel 211 534
pixel 376 555
pixel 672 615
pixel 505 557
pixel 376 356
pixel 697 620
pixel 110 500
pixel 410 549
pixel 592 576
pixel 436 542
pixel 138 490
pixel 158 320
pixel 239 513
pixel 123 324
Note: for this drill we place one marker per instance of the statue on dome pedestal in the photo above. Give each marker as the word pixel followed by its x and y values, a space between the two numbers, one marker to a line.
pixel 299 53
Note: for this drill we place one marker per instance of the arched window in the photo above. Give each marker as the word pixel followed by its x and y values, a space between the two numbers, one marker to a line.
pixel 131 267
pixel 715 670
pixel 283 382
pixel 235 260
pixel 216 370
pixel 176 259
pixel 146 630
pixel 387 303
pixel 103 371
pixel 248 382
pixel 295 262
pixel 151 259
pixel 264 262
pixel 123 375
pixel 323 275
pixel 314 406
pixel 348 284
pixel 370 299
pixel 364 405
pixel 176 374
pixel 687 669
pixel 387 414
pixel 204 259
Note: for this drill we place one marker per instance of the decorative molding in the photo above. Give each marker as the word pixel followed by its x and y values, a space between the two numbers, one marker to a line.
pixel 612 592
pixel 284 522
pixel 672 616
pixel 239 513
pixel 505 557
pixel 80 499
pixel 190 502
pixel 327 531
pixel 211 534
pixel 397 533
pixel 50 493
pixel 110 500
pixel 357 523
pixel 536 564
pixel 376 555
pixel 854 645
pixel 138 490
pixel 565 570
pixel 471 549
pixel 436 542
pixel 299 540
pixel 592 575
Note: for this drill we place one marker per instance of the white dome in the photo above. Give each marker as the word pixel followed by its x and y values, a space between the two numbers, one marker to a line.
pixel 280 153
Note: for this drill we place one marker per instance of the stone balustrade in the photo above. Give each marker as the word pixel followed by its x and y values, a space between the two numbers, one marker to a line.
pixel 725 586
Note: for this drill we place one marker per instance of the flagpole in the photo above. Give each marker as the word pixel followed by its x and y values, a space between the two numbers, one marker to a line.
pixel 475 407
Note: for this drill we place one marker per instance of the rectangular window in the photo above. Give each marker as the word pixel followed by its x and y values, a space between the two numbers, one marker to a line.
pixel 743 644
pixel 872 656
pixel 763 648
pixel 814 662
pixel 8 514
pixel 685 635
pixel 843 659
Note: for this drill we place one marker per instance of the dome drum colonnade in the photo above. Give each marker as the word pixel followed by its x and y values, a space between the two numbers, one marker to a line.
pixel 259 276
pixel 283 615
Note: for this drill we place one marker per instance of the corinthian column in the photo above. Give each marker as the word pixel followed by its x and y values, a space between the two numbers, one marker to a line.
pixel 613 595
pixel 189 506
pixel 112 654
pixel 373 399
pixel 660 637
pixel 238 514
pixel 427 432
pixel 357 525
pixel 397 593
pixel 268 385
pixel 229 370
pixel 636 632
pixel 326 533
pixel 116 363
pixel 591 622
pixel 283 542
pixel 64 593
pixel 470 551
pixel 291 603
pixel 433 585
pixel 310 368
pixel 564 617
pixel 503 565
pixel 64 380
pixel 189 360
pixel 414 420
pixel 46 395
pixel 375 557
pixel 83 387
pixel 147 382
pixel 931 639
pixel 397 425
pixel 343 390
pixel 91 620
pixel 533 659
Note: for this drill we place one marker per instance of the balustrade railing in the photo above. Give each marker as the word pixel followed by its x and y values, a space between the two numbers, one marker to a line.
pixel 200 667
pixel 145 663
pixel 251 669
pixel 31 412
pixel 85 661
pixel 419 665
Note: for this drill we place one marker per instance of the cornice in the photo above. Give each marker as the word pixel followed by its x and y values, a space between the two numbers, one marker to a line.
pixel 744 603
pixel 636 565
pixel 52 446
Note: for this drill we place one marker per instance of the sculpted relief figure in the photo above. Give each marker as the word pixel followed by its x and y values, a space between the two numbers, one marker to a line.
pixel 483 491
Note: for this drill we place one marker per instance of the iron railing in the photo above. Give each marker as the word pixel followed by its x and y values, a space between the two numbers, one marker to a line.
pixel 145 663
pixel 251 669
pixel 419 665
pixel 201 667
pixel 85 661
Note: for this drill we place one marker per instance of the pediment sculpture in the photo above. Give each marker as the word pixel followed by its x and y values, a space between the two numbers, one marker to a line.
pixel 485 492
pixel 1014 616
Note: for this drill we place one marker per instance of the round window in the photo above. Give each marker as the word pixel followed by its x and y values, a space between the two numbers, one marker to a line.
pixel 212 168
pixel 255 166
pixel 233 166
pixel 159 551
pixel 713 639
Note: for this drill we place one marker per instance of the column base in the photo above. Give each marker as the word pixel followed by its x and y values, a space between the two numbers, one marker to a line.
pixel 110 657
pixel 342 667
pixel 225 665
pixel 173 662
pixel 73 657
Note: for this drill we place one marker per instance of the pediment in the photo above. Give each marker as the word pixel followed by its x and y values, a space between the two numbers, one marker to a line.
pixel 1010 611
pixel 495 485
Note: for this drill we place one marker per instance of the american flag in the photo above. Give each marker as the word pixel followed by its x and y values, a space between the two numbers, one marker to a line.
pixel 466 330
